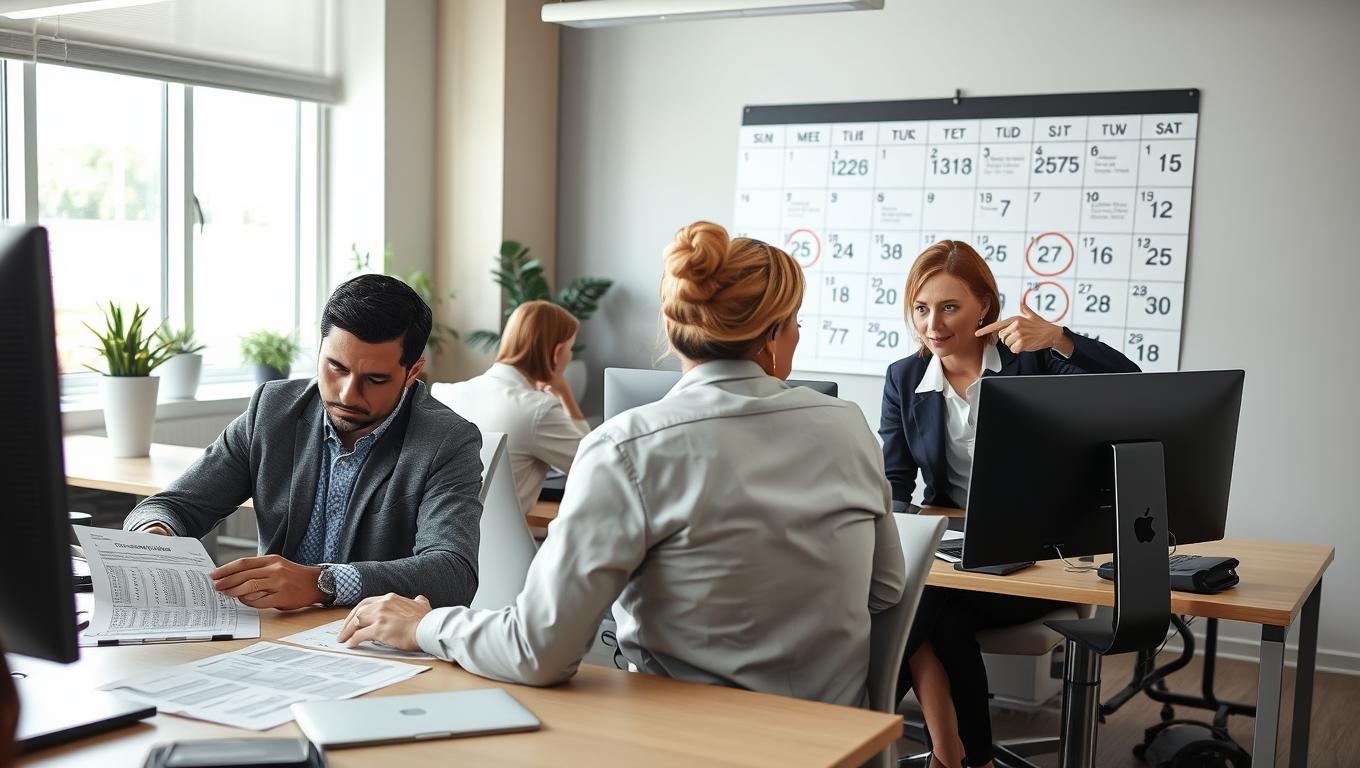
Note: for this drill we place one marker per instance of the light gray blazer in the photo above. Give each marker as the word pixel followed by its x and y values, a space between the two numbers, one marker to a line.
pixel 743 526
pixel 414 518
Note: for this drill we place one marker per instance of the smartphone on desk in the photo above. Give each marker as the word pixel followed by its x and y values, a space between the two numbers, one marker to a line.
pixel 236 753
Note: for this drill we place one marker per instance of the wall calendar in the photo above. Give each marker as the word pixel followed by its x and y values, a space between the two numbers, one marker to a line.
pixel 1079 203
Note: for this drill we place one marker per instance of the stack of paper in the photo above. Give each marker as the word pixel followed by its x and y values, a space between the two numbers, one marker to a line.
pixel 156 588
pixel 255 686
pixel 324 637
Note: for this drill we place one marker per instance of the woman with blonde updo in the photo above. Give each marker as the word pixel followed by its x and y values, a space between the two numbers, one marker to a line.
pixel 743 525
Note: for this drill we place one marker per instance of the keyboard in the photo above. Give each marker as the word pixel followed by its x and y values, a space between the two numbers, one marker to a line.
pixel 553 486
pixel 950 550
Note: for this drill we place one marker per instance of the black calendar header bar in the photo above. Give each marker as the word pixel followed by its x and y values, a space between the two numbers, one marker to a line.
pixel 1180 101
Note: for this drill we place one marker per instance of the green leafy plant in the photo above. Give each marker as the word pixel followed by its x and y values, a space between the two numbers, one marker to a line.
pixel 521 277
pixel 420 283
pixel 276 350
pixel 127 348
pixel 178 342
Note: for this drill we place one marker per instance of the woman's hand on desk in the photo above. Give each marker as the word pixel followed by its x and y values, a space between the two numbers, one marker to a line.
pixel 390 620
pixel 1027 332
pixel 269 581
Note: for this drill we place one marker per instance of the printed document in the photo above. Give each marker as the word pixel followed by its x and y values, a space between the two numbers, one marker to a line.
pixel 255 686
pixel 156 588
pixel 323 637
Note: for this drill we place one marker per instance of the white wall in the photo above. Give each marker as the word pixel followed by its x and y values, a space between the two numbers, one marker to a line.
pixel 648 143
pixel 410 133
pixel 381 138
pixel 355 136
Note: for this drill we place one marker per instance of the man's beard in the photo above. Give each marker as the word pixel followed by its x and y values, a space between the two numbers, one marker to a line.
pixel 347 421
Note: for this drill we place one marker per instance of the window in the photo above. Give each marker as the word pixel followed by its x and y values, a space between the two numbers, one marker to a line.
pixel 199 203
pixel 248 218
pixel 99 195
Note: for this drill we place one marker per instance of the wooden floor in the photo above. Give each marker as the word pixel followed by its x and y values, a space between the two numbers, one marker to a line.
pixel 1336 704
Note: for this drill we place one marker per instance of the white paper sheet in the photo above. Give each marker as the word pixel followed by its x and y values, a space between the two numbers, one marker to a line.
pixel 255 686
pixel 150 588
pixel 323 637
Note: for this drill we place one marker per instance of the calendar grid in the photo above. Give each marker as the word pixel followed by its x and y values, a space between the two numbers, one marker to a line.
pixel 1101 235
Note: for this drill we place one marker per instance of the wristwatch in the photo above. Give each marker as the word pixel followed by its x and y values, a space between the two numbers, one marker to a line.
pixel 325 581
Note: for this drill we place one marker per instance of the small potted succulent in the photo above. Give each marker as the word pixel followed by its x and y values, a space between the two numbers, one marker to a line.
pixel 271 353
pixel 130 353
pixel 182 371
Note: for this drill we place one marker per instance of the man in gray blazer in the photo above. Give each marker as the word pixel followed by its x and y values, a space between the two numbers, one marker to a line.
pixel 363 484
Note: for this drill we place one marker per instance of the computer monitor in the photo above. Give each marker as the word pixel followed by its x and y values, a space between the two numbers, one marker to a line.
pixel 626 388
pixel 1043 479
pixel 37 601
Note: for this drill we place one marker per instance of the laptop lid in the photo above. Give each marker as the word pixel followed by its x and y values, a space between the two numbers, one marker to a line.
pixel 416 717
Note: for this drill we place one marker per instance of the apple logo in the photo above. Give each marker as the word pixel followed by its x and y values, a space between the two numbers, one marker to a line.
pixel 1142 527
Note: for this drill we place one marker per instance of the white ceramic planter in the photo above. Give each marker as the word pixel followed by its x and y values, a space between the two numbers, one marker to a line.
pixel 180 376
pixel 129 413
pixel 577 377
pixel 264 373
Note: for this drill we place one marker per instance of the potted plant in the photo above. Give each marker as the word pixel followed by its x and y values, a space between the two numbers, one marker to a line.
pixel 521 278
pixel 271 353
pixel 128 388
pixel 182 371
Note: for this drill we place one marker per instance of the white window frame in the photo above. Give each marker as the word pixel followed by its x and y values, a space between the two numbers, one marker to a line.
pixel 79 389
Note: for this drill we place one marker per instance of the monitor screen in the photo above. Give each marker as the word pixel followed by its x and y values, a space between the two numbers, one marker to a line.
pixel 37 604
pixel 1043 469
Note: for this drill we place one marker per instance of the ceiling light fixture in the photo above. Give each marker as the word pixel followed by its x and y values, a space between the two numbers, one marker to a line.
pixel 607 13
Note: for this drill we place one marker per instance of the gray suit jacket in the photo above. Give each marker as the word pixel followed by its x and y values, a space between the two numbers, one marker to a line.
pixel 414 518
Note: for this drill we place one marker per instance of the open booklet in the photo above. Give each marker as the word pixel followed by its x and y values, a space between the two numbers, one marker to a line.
pixel 150 588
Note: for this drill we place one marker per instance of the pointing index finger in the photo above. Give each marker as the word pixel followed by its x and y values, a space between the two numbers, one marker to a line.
pixel 994 327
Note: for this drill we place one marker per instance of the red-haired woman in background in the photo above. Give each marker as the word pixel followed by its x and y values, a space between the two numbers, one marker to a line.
pixel 525 395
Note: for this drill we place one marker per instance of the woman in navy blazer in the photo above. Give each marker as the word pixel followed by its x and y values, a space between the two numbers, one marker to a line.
pixel 928 425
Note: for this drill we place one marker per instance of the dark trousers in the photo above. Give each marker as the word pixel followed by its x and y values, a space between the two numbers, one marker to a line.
pixel 950 620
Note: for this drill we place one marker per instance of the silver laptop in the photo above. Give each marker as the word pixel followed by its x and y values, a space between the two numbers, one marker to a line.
pixel 389 719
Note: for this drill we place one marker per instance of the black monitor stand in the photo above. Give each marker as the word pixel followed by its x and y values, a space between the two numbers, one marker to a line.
pixel 1142 596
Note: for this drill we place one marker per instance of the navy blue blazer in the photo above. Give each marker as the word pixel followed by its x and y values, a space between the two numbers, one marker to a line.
pixel 914 428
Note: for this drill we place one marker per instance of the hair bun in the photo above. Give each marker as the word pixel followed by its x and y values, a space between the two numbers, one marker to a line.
pixel 693 259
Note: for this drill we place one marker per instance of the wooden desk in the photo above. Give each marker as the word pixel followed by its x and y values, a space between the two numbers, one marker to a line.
pixel 90 465
pixel 542 513
pixel 1280 583
pixel 600 717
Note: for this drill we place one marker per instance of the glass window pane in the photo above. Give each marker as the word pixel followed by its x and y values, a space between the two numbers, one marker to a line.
pixel 99 189
pixel 244 267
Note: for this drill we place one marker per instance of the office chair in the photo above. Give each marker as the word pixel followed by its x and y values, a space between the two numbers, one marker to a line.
pixel 919 535
pixel 506 547
pixel 1032 638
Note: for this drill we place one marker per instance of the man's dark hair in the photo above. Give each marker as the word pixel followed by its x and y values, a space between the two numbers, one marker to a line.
pixel 378 308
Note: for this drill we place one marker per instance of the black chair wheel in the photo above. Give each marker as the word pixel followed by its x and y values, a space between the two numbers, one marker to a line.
pixel 1139 750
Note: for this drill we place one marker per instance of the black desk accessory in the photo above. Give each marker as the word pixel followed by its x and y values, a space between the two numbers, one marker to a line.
pixel 995 570
pixel 236 753
pixel 1193 573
